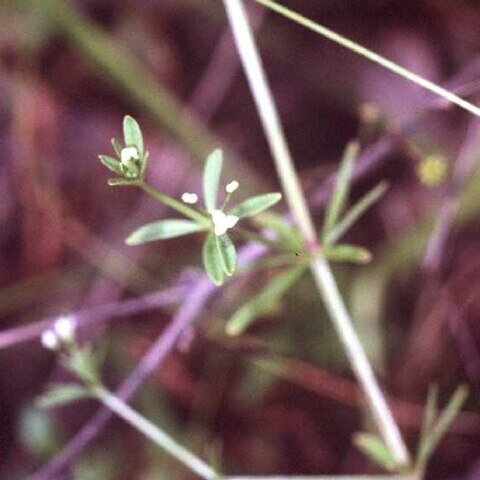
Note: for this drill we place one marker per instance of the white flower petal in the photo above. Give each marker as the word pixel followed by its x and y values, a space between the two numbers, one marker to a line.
pixel 50 340
pixel 231 221
pixel 220 229
pixel 64 327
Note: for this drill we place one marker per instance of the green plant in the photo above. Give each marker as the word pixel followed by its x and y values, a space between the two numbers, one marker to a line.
pixel 219 252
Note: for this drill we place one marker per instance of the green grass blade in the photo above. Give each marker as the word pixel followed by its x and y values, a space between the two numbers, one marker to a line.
pixel 211 178
pixel 342 187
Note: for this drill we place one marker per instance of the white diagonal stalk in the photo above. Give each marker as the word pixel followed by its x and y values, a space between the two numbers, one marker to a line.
pixel 296 200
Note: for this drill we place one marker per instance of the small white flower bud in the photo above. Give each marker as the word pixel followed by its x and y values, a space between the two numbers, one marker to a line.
pixel 190 198
pixel 232 186
pixel 64 327
pixel 50 340
pixel 128 154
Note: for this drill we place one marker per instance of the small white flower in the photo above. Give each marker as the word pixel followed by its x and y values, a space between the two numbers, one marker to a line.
pixel 232 186
pixel 222 222
pixel 128 154
pixel 190 198
pixel 64 327
pixel 50 340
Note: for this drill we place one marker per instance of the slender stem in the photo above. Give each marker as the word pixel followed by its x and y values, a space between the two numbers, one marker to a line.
pixel 370 55
pixel 175 204
pixel 154 433
pixel 320 269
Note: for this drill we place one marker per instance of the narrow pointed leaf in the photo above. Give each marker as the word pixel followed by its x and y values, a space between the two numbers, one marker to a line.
pixel 286 234
pixel 161 230
pixel 342 187
pixel 375 449
pixel 227 253
pixel 118 182
pixel 348 253
pixel 211 178
pixel 355 212
pixel 433 438
pixel 132 134
pixel 212 261
pixel 62 394
pixel 245 315
pixel 117 146
pixel 111 163
pixel 430 413
pixel 254 205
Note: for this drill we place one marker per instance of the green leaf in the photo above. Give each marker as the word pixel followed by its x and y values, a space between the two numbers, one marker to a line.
pixel 84 363
pixel 227 253
pixel 132 135
pixel 163 229
pixel 348 253
pixel 286 234
pixel 117 146
pixel 62 394
pixel 254 205
pixel 433 437
pixel 212 261
pixel 211 178
pixel 245 315
pixel 375 449
pixel 342 187
pixel 355 212
pixel 111 163
pixel 119 182
pixel 430 413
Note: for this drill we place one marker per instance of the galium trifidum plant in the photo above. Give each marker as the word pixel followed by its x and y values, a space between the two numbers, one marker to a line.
pixel 293 249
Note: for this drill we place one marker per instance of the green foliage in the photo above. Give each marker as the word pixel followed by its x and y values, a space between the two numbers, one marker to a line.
pixel 132 134
pixel 227 253
pixel 342 187
pixel 375 449
pixel 219 253
pixel 211 178
pixel 83 362
pixel 62 394
pixel 256 306
pixel 355 212
pixel 255 205
pixel 212 260
pixel 163 229
pixel 434 429
pixel 347 253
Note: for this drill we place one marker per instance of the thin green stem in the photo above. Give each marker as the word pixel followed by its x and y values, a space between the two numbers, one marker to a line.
pixel 370 55
pixel 320 269
pixel 155 434
pixel 175 204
